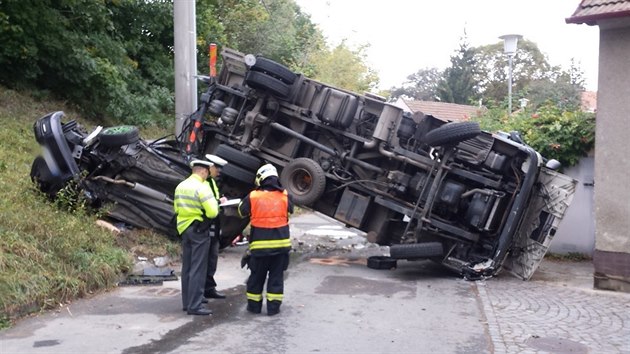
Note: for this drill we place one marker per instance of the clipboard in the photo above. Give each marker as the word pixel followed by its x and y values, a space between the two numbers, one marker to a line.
pixel 230 202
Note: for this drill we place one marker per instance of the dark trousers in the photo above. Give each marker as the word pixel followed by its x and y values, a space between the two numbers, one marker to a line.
pixel 271 266
pixel 194 266
pixel 213 259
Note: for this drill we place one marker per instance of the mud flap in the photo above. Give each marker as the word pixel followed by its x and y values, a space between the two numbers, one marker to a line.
pixel 552 195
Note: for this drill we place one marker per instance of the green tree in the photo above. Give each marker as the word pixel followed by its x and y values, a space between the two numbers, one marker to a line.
pixel 422 86
pixel 529 64
pixel 557 91
pixel 345 68
pixel 114 59
pixel 81 50
pixel 276 29
pixel 458 83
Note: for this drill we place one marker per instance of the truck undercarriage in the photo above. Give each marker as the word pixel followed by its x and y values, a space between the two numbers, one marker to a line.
pixel 473 201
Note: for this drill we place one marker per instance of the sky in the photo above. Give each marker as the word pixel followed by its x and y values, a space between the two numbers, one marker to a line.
pixel 408 35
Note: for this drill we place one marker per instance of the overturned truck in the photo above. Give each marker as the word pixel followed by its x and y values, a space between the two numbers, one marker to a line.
pixel 470 200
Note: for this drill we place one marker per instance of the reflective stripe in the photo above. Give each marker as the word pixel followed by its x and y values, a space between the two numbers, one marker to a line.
pixel 264 244
pixel 183 196
pixel 274 297
pixel 188 205
pixel 206 198
pixel 254 297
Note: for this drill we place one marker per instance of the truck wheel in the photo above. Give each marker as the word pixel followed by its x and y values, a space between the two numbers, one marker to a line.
pixel 274 69
pixel 452 133
pixel 262 81
pixel 381 262
pixel 416 250
pixel 119 135
pixel 238 157
pixel 238 173
pixel 304 179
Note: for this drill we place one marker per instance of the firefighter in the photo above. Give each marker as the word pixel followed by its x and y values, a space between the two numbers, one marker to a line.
pixel 268 207
pixel 210 290
pixel 195 206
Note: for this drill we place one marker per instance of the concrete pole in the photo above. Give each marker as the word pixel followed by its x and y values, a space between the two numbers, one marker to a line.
pixel 185 61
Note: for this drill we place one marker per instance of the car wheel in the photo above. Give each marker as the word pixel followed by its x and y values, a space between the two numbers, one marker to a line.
pixel 381 262
pixel 119 135
pixel 262 81
pixel 452 133
pixel 238 173
pixel 274 69
pixel 238 157
pixel 416 250
pixel 304 179
pixel 231 227
pixel 44 179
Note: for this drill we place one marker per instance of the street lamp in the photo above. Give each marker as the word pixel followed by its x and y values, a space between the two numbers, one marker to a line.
pixel 509 48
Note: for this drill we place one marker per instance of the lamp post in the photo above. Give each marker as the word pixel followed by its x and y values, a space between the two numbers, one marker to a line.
pixel 509 48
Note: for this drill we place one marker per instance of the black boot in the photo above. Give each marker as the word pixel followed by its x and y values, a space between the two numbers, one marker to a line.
pixel 213 294
pixel 254 306
pixel 273 307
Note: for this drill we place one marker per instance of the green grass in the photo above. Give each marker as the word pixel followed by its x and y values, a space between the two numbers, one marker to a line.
pixel 48 255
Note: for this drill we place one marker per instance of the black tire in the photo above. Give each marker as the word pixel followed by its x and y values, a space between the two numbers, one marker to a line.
pixel 119 135
pixel 238 157
pixel 274 69
pixel 452 133
pixel 381 262
pixel 238 173
pixel 231 227
pixel 262 81
pixel 304 179
pixel 416 250
pixel 43 178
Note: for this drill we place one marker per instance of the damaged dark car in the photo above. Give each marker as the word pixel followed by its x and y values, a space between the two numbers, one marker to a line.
pixel 470 200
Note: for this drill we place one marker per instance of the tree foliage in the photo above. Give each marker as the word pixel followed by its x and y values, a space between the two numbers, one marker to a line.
pixel 564 135
pixel 114 59
pixel 344 67
pixel 551 122
pixel 529 64
pixel 421 86
pixel 458 84
pixel 107 57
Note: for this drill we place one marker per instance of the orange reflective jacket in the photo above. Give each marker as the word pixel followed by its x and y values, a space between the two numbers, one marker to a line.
pixel 269 209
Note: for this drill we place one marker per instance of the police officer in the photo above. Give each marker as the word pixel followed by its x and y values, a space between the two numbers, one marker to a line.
pixel 195 206
pixel 210 290
pixel 269 244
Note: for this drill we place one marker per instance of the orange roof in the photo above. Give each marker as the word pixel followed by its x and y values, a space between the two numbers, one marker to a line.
pixel 589 101
pixel 590 11
pixel 445 111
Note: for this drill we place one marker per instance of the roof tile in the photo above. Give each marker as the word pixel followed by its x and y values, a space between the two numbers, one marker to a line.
pixel 590 11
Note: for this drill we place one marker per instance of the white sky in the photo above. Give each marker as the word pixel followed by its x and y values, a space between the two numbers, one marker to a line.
pixel 408 35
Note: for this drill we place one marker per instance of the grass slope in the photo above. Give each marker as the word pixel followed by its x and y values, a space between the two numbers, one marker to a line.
pixel 50 256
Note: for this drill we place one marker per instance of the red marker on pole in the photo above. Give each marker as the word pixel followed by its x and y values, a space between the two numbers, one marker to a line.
pixel 213 60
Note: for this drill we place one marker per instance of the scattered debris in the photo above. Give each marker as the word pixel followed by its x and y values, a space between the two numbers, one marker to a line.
pixel 109 226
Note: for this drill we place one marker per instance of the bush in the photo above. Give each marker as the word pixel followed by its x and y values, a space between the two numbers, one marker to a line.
pixel 565 136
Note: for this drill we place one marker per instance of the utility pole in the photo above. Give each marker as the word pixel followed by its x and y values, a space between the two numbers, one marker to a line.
pixel 185 61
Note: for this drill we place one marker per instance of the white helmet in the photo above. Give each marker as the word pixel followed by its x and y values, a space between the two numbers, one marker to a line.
pixel 265 171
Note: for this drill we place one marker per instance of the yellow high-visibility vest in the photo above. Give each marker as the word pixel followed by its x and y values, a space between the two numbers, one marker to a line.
pixel 193 199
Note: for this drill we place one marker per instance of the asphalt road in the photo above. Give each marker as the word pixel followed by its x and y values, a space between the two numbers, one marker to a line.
pixel 334 303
